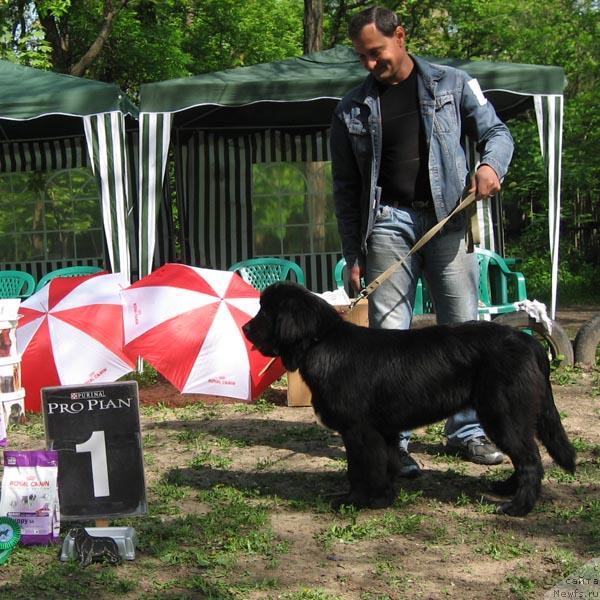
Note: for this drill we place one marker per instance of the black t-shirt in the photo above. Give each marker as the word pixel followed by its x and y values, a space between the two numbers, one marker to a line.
pixel 403 176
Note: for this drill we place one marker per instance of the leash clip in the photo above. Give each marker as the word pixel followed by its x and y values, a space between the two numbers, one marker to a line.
pixel 360 296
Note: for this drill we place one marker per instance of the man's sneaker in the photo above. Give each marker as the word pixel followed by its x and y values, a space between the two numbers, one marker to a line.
pixel 478 450
pixel 408 466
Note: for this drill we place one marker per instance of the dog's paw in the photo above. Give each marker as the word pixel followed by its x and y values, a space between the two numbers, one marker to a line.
pixel 341 501
pixel 359 501
pixel 381 502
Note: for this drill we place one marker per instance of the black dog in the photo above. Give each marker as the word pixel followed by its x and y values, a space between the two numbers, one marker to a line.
pixel 370 384
pixel 91 548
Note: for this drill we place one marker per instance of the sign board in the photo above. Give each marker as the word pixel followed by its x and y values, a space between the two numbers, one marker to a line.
pixel 96 431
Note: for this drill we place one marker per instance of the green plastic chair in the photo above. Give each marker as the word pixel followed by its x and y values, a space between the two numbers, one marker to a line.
pixel 16 284
pixel 338 273
pixel 499 287
pixel 262 272
pixel 66 272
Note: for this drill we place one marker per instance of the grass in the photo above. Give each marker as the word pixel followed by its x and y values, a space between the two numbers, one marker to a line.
pixel 238 509
pixel 390 523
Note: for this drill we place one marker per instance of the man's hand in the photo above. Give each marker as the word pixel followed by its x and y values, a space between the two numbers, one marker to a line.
pixel 485 182
pixel 354 277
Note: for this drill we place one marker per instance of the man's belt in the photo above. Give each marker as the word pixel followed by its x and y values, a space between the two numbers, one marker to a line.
pixel 416 205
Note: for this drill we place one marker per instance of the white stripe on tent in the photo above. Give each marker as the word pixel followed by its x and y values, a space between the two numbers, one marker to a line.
pixel 484 207
pixel 155 135
pixel 558 168
pixel 549 115
pixel 121 188
pixel 106 147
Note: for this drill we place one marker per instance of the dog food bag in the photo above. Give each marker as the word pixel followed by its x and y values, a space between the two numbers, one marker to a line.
pixel 30 494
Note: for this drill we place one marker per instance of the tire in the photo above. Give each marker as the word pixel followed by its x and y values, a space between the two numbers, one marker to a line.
pixel 586 342
pixel 558 343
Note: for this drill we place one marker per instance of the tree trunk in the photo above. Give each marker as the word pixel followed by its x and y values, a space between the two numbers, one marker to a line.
pixel 313 26
pixel 110 12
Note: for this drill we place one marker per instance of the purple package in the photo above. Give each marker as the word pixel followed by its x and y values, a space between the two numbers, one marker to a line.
pixel 30 494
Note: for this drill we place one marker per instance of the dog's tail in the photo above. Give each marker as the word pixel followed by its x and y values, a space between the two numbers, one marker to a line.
pixel 550 430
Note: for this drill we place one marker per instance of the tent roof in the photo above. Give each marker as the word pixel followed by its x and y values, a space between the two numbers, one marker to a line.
pixel 42 104
pixel 319 79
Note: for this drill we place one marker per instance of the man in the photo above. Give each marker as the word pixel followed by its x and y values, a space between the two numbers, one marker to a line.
pixel 398 169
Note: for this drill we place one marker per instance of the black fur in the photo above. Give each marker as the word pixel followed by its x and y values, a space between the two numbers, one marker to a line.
pixel 370 384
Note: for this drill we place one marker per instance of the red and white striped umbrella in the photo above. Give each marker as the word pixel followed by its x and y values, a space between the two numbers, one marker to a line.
pixel 70 332
pixel 186 322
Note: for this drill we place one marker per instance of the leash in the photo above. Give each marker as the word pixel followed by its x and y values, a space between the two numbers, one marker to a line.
pixel 369 289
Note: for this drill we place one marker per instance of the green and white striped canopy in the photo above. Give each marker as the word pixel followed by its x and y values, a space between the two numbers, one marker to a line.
pixel 299 95
pixel 44 117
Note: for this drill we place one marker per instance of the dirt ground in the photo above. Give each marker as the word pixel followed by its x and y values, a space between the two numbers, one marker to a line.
pixel 462 550
pixel 572 318
pixel 442 538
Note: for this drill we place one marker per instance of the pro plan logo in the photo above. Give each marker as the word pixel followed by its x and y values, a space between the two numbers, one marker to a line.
pixel 88 401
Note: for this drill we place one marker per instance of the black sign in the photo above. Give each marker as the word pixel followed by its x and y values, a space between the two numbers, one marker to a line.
pixel 96 431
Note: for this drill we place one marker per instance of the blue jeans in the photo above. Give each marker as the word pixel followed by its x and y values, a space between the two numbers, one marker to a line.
pixel 451 274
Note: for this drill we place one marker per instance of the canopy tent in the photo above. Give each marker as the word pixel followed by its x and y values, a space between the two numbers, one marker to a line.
pixel 283 109
pixel 48 120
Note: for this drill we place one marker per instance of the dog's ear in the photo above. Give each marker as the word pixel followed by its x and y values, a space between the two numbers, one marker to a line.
pixel 293 330
pixel 302 319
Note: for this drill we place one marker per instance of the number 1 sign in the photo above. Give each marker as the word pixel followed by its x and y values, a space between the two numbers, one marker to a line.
pixel 96 430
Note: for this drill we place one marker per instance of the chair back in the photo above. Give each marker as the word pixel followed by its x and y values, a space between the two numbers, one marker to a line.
pixel 262 272
pixel 498 285
pixel 16 284
pixel 338 272
pixel 66 272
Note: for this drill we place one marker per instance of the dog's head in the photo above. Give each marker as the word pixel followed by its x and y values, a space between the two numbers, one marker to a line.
pixel 78 533
pixel 290 321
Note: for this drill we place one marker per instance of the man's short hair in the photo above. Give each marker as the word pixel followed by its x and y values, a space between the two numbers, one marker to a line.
pixel 385 20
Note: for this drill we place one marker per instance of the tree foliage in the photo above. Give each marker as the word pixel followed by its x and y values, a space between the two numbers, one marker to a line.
pixel 130 42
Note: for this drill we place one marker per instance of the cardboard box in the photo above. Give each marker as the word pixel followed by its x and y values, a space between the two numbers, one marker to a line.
pixel 298 393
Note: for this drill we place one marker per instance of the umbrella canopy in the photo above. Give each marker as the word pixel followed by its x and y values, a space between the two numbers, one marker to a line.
pixel 70 332
pixel 186 322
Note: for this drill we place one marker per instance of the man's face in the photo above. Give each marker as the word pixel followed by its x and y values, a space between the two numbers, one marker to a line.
pixel 385 57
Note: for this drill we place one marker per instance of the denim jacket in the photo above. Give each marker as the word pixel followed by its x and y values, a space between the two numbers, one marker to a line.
pixel 451 106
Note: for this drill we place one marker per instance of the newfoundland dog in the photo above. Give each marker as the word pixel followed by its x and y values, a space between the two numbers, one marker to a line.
pixel 370 384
